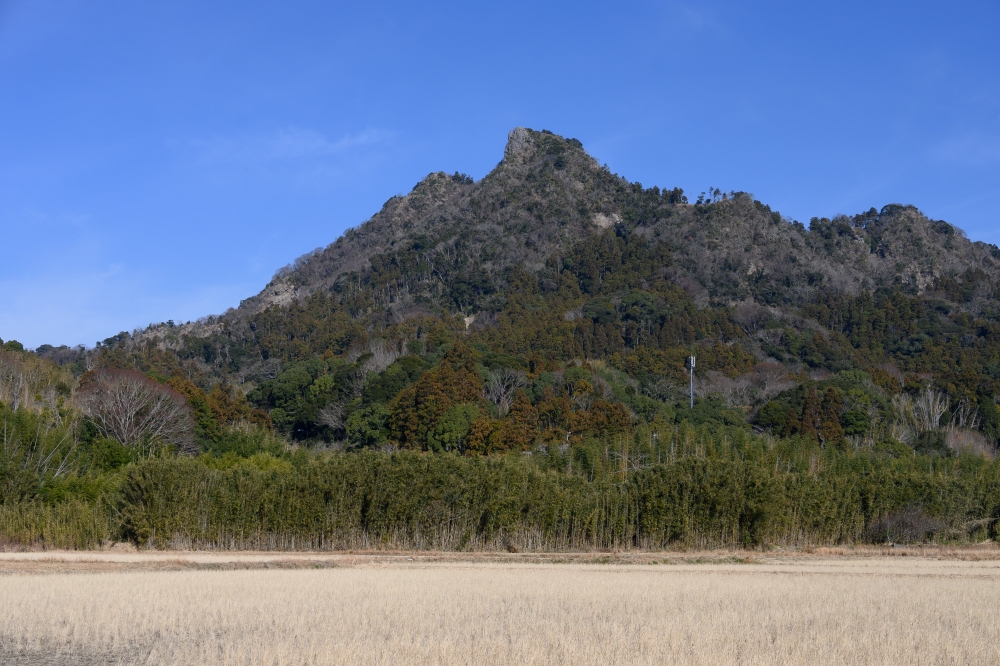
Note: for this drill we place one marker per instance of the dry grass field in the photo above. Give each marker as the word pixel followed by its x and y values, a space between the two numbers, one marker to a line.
pixel 825 608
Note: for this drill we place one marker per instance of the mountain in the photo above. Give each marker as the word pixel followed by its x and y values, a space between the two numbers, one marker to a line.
pixel 547 194
pixel 551 259
pixel 505 364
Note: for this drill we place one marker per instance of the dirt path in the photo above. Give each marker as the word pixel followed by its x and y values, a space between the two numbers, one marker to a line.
pixel 124 558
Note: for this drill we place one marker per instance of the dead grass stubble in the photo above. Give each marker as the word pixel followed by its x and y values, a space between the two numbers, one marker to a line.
pixel 508 614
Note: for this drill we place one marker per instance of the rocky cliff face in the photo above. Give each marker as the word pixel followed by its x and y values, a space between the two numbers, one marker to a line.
pixel 548 193
pixel 545 193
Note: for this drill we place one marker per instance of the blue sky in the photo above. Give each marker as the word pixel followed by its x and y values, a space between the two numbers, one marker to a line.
pixel 161 160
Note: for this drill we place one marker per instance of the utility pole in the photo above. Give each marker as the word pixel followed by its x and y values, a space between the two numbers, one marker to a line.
pixel 692 381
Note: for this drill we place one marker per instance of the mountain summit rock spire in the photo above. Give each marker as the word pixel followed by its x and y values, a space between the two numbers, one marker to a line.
pixel 518 141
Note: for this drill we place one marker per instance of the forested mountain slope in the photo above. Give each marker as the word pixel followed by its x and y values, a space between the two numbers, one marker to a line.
pixel 548 312
pixel 551 258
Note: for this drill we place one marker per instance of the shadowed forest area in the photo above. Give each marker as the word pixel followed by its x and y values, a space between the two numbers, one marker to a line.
pixel 503 364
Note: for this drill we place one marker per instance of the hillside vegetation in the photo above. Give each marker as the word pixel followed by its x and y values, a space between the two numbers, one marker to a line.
pixel 503 363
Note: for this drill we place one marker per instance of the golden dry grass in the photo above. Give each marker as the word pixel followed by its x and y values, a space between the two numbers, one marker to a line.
pixel 797 610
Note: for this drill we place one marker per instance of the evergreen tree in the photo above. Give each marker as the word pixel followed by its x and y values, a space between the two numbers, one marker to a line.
pixel 792 424
pixel 521 425
pixel 831 430
pixel 811 416
pixel 418 408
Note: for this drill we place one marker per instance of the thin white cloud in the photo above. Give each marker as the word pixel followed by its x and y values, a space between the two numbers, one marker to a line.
pixel 700 18
pixel 972 149
pixel 292 143
pixel 75 220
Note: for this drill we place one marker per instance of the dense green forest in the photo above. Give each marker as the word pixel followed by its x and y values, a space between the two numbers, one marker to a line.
pixel 435 395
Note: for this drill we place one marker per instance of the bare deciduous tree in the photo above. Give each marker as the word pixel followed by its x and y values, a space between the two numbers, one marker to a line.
pixel 772 378
pixel 966 416
pixel 771 336
pixel 735 391
pixel 751 317
pixel 18 380
pixel 332 416
pixel 135 410
pixel 962 435
pixel 383 355
pixel 764 382
pixel 663 389
pixel 929 407
pixel 968 441
pixel 501 385
pixel 918 415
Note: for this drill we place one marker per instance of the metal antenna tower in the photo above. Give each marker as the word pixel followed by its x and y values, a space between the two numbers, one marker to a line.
pixel 692 381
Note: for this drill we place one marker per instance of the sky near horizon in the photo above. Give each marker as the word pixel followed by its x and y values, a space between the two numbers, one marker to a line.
pixel 162 161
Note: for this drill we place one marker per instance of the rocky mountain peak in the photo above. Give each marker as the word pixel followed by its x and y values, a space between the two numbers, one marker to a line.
pixel 447 243
pixel 518 141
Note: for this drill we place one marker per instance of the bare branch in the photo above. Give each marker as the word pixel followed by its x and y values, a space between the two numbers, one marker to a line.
pixel 332 416
pixel 501 385
pixel 18 380
pixel 382 356
pixel 138 412
pixel 751 317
